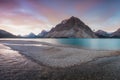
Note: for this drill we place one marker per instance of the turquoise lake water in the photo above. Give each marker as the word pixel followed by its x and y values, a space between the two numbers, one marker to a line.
pixel 98 44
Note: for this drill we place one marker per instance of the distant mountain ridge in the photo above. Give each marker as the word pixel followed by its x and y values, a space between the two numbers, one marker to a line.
pixel 30 35
pixel 71 28
pixel 116 34
pixel 68 28
pixel 42 34
pixel 104 34
pixel 5 34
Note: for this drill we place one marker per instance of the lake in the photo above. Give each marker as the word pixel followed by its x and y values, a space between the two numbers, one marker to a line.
pixel 98 44
pixel 14 66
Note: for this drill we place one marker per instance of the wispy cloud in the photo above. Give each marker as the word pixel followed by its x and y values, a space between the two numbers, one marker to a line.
pixel 35 15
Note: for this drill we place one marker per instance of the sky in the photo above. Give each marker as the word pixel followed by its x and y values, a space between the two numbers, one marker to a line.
pixel 21 17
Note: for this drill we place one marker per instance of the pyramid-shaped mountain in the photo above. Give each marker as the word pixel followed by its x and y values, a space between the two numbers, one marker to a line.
pixel 71 28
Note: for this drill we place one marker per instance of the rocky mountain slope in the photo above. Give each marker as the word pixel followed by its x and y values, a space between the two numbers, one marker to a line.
pixel 71 28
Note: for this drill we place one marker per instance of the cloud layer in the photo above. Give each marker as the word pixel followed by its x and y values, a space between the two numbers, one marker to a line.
pixel 24 16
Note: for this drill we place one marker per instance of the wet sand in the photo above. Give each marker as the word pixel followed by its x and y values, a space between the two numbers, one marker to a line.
pixel 16 66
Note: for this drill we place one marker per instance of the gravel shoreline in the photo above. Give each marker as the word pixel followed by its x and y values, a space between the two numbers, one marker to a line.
pixel 56 56
pixel 103 68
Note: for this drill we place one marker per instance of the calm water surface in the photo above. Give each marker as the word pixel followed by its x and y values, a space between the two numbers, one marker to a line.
pixel 98 44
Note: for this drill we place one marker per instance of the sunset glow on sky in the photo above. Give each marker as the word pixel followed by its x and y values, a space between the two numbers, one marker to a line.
pixel 25 16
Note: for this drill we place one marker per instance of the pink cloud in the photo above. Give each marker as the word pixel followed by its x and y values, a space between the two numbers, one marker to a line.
pixel 86 6
pixel 54 16
pixel 8 5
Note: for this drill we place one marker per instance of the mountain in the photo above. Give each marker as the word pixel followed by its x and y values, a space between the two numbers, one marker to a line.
pixel 71 28
pixel 102 34
pixel 42 34
pixel 116 34
pixel 5 34
pixel 31 35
